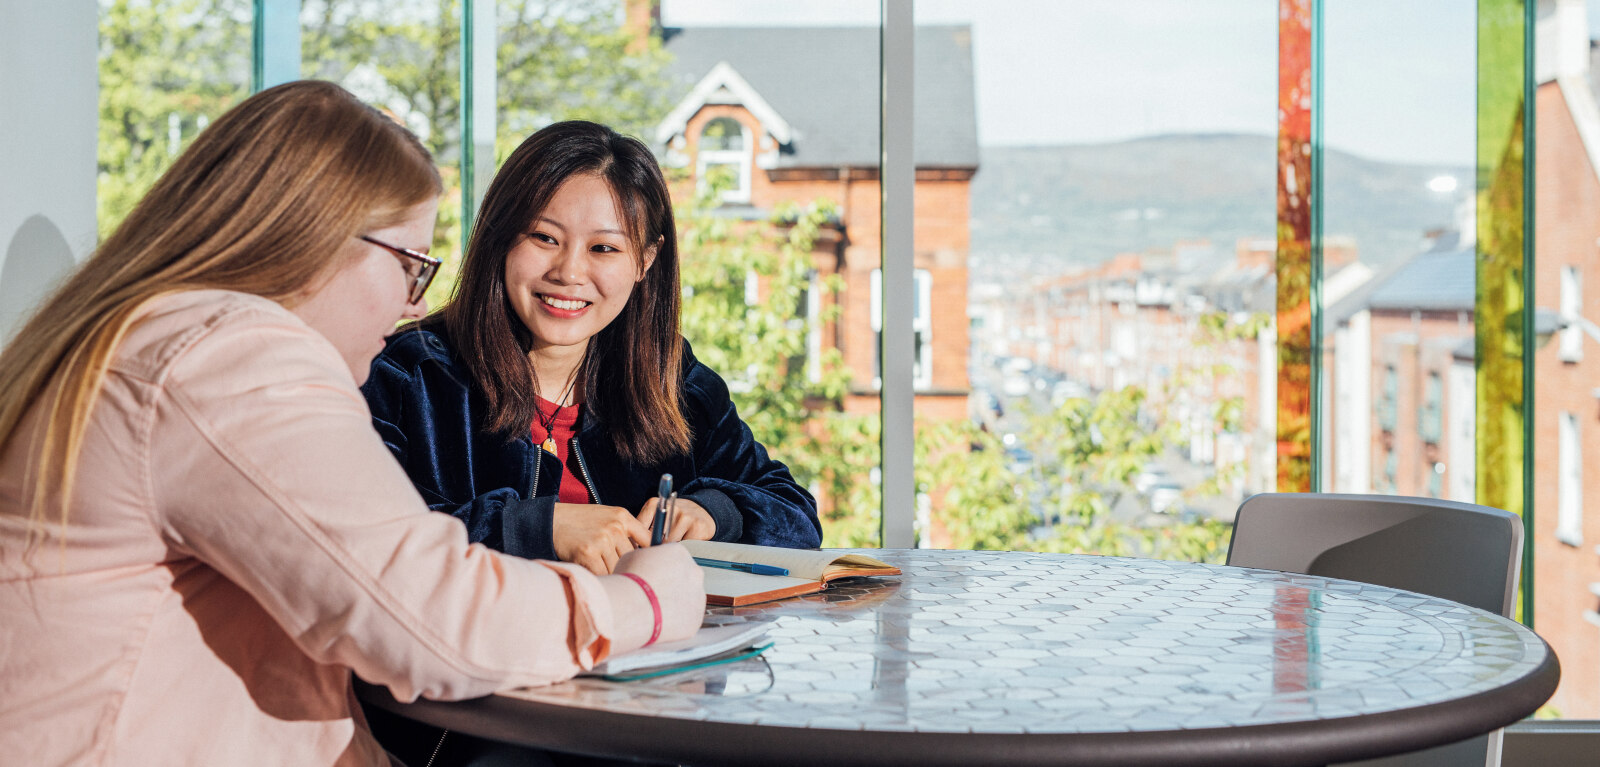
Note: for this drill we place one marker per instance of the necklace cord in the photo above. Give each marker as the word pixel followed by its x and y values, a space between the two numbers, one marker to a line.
pixel 538 412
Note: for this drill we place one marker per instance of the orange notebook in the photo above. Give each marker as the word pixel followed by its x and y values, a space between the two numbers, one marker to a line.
pixel 809 571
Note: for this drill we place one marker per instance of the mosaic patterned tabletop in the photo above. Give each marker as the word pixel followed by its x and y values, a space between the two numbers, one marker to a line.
pixel 971 641
pixel 1010 643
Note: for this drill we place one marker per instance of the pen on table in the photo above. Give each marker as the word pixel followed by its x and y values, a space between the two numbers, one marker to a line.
pixel 658 530
pixel 743 567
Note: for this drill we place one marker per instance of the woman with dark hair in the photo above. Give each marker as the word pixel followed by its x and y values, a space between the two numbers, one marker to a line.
pixel 544 401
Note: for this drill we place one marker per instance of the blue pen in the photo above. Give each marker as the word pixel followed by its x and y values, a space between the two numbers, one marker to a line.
pixel 743 567
pixel 658 531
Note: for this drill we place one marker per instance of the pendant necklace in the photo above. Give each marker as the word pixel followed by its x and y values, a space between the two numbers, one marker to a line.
pixel 549 425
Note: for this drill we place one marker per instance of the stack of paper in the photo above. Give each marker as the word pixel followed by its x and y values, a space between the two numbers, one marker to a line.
pixel 708 642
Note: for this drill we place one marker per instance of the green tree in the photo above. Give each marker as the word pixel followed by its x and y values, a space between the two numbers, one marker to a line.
pixel 790 402
pixel 1088 450
pixel 167 68
pixel 555 60
pixel 575 60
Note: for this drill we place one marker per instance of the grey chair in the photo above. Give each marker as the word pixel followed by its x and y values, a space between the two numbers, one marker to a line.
pixel 1458 551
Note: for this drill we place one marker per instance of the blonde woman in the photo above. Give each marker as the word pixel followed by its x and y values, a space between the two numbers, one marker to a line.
pixel 200 534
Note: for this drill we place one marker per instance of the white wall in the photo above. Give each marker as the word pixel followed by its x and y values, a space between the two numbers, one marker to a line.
pixel 1352 389
pixel 1462 438
pixel 49 89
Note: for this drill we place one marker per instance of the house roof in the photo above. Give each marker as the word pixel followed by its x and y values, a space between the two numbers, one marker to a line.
pixel 823 83
pixel 1435 280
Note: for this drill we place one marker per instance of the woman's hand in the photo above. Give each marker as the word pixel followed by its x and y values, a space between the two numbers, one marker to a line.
pixel 690 520
pixel 595 536
pixel 679 588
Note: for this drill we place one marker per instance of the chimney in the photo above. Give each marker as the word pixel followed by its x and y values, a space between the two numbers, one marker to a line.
pixel 641 19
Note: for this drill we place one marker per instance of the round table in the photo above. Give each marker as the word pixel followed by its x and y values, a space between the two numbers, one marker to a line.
pixel 1014 658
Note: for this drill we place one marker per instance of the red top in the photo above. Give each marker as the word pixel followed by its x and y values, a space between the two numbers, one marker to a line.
pixel 563 429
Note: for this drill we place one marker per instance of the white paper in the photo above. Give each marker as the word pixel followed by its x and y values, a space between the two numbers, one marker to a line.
pixel 708 641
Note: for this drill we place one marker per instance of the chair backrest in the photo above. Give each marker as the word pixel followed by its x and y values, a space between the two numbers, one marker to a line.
pixel 1458 551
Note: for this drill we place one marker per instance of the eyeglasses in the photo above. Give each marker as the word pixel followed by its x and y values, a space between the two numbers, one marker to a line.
pixel 424 276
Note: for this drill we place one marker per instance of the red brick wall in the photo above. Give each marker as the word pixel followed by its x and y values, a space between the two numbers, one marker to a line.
pixel 1417 344
pixel 1567 197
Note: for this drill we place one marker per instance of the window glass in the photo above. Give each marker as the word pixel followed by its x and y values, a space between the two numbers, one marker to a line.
pixel 921 328
pixel 167 68
pixel 776 176
pixel 1571 349
pixel 1569 501
pixel 721 135
pixel 1398 258
pixel 1095 214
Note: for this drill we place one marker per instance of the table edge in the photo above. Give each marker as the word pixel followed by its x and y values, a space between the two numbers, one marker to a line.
pixel 607 733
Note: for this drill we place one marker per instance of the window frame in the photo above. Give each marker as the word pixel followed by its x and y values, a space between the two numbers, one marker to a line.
pixel 276 59
pixel 742 158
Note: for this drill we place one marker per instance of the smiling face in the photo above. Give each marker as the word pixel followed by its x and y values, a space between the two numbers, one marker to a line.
pixel 573 271
pixel 358 306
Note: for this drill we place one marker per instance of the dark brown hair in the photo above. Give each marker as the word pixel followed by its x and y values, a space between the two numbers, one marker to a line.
pixel 640 352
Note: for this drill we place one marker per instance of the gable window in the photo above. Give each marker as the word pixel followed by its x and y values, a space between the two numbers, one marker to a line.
pixel 725 144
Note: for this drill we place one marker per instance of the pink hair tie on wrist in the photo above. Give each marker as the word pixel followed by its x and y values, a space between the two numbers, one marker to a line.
pixel 655 607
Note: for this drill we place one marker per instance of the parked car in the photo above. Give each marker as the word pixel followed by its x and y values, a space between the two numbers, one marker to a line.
pixel 1149 478
pixel 1165 497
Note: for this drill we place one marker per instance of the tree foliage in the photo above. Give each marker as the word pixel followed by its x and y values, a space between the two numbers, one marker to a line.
pixel 789 400
pixel 167 68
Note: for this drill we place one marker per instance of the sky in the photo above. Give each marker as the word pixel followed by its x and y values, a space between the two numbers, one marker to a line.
pixel 1399 75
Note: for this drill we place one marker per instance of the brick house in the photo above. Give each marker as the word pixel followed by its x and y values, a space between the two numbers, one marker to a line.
pixel 1403 373
pixel 793 114
pixel 1566 429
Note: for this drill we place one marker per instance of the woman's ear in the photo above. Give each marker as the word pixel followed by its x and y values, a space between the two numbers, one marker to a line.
pixel 650 257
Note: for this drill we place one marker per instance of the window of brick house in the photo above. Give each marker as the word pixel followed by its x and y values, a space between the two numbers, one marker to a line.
pixel 1571 306
pixel 921 325
pixel 1389 402
pixel 725 144
pixel 1569 492
pixel 1430 418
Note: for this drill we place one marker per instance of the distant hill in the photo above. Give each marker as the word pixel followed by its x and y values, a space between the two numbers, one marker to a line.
pixel 1048 207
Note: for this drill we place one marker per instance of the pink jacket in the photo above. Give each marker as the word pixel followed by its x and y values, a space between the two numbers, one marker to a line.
pixel 239 541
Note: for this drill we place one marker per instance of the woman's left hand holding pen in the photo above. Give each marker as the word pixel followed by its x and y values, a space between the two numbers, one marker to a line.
pixel 690 521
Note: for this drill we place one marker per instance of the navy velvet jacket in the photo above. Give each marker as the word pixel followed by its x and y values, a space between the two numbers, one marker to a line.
pixel 429 414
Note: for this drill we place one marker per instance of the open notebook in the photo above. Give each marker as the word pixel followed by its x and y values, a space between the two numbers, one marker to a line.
pixel 809 571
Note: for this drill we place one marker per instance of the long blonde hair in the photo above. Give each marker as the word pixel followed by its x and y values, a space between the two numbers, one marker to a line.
pixel 261 203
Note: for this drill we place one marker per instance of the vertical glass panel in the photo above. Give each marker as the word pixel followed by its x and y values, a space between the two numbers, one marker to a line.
pixel 1397 277
pixel 1299 205
pixel 1503 295
pixel 167 68
pixel 776 183
pixel 1566 359
pixel 404 58
pixel 1095 209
